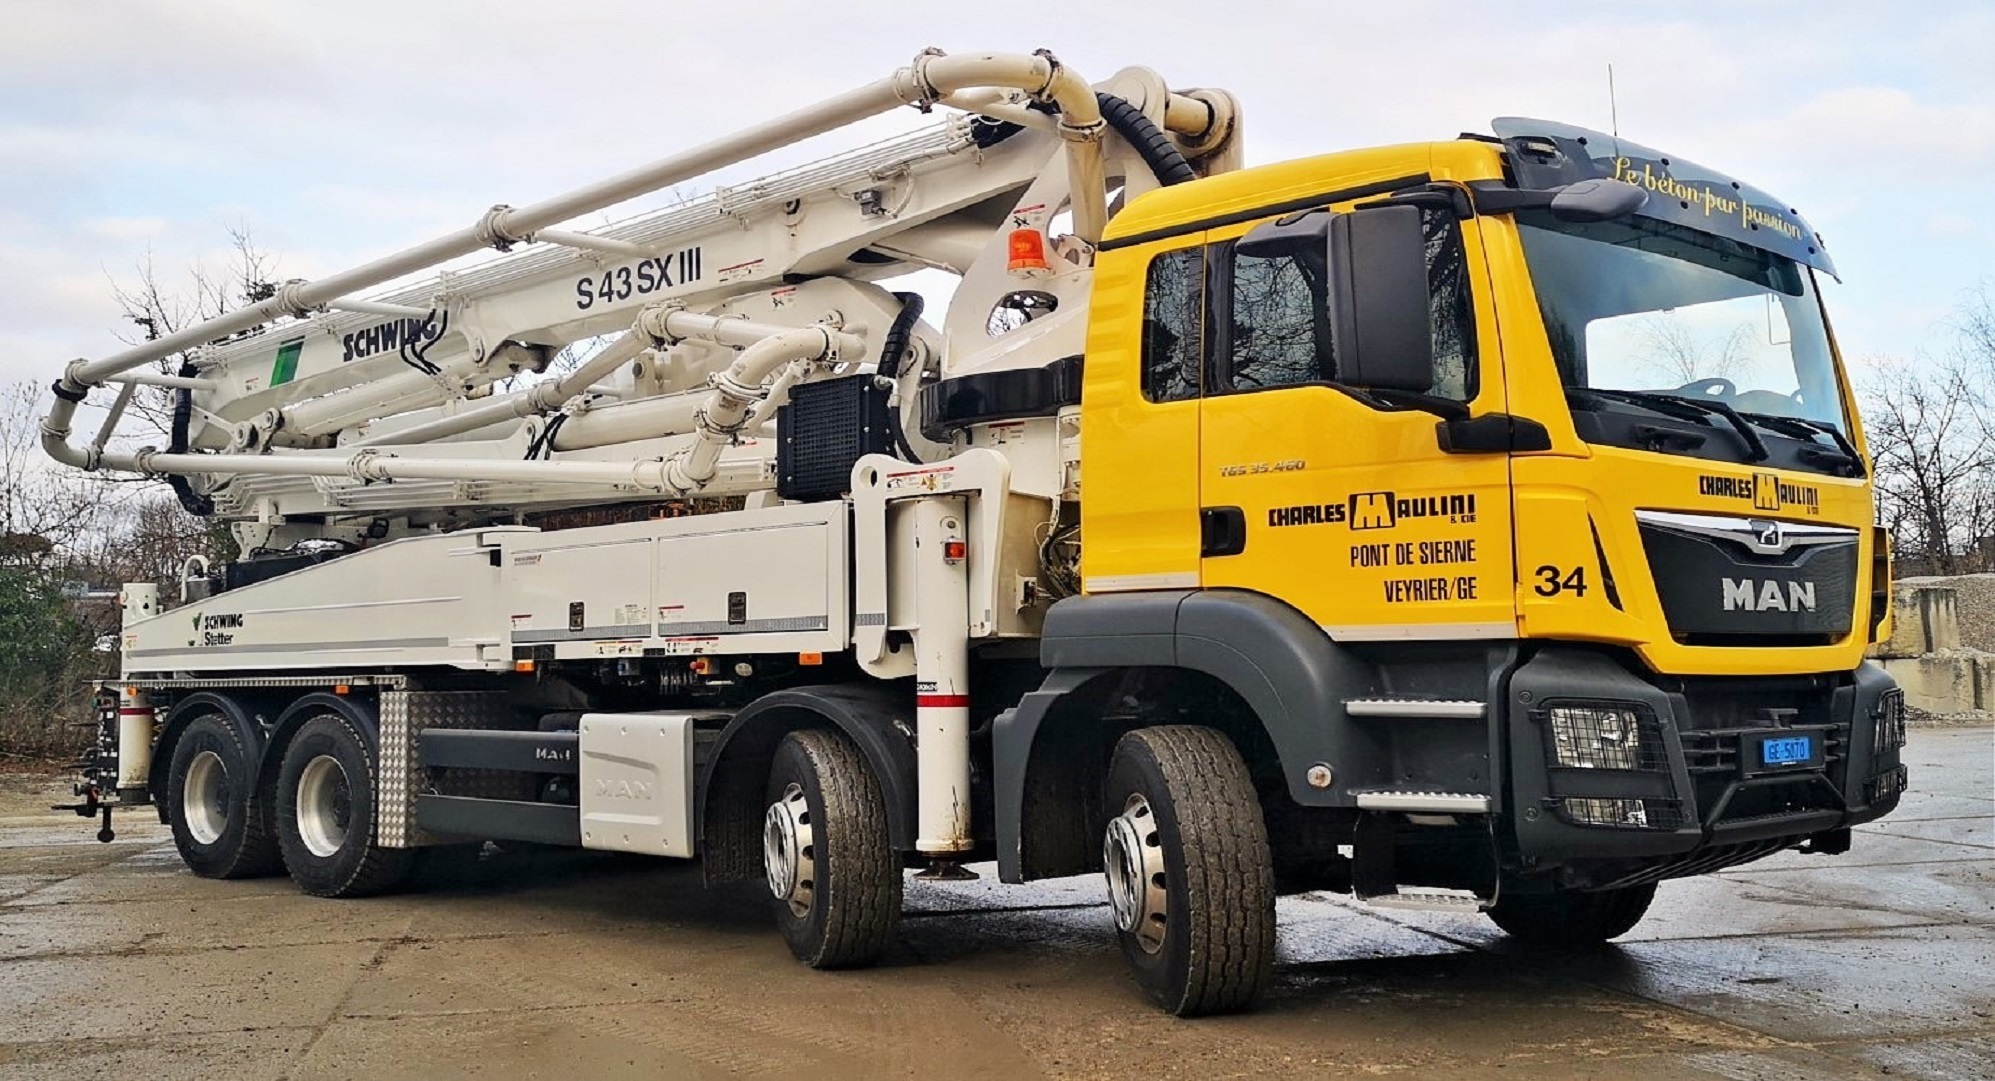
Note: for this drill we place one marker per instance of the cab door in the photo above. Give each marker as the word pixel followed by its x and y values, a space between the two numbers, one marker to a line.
pixel 1140 417
pixel 1340 502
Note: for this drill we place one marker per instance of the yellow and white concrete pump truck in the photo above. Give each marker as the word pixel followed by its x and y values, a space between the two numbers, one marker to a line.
pixel 1481 523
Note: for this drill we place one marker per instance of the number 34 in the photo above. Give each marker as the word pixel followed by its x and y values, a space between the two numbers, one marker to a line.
pixel 1552 581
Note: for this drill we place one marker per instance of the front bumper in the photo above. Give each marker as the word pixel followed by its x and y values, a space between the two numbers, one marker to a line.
pixel 1693 799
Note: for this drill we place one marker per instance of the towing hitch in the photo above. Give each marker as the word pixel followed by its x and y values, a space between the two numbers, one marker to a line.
pixel 90 807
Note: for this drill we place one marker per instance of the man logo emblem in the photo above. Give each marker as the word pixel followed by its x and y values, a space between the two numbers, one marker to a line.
pixel 1768 535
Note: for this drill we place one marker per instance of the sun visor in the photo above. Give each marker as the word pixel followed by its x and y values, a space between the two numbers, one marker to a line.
pixel 1547 154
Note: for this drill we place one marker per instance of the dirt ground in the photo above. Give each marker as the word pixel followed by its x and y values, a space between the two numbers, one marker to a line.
pixel 115 961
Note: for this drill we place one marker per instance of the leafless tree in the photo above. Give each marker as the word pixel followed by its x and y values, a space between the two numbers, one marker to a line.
pixel 47 513
pixel 1931 426
pixel 156 307
pixel 1677 356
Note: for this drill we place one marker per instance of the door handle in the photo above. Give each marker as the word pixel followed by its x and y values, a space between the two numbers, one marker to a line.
pixel 1222 531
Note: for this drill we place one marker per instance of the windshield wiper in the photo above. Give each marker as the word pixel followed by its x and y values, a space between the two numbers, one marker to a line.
pixel 1686 408
pixel 1845 460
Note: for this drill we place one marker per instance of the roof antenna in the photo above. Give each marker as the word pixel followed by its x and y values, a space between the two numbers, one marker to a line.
pixel 1612 108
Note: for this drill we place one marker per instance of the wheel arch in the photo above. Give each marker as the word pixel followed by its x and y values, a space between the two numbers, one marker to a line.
pixel 1286 675
pixel 877 718
pixel 237 710
pixel 360 711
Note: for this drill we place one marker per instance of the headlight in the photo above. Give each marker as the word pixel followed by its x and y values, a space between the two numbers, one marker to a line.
pixel 1888 721
pixel 1601 737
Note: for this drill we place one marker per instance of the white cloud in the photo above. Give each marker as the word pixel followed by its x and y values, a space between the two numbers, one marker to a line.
pixel 1944 224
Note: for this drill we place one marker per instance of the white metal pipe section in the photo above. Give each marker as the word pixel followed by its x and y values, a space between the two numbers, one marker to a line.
pixel 114 415
pixel 376 307
pixel 593 243
pixel 627 422
pixel 999 105
pixel 154 379
pixel 942 676
pixel 735 392
pixel 1190 117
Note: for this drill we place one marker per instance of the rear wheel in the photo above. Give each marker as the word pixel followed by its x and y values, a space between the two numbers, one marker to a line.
pixel 1190 877
pixel 1571 917
pixel 219 826
pixel 326 813
pixel 832 873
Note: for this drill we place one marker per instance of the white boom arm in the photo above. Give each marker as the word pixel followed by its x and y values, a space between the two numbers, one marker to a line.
pixel 344 392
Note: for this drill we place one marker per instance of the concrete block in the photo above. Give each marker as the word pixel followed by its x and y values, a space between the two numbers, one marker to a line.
pixel 1925 617
pixel 1956 681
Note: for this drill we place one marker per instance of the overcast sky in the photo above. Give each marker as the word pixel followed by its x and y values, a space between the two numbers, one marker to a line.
pixel 337 130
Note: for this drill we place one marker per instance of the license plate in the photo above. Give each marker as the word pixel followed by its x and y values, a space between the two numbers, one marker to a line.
pixel 1786 750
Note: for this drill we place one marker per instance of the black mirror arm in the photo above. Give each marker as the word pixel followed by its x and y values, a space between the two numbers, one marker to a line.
pixel 1497 197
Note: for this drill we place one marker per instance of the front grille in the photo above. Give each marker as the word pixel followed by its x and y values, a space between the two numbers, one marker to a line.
pixel 1751 582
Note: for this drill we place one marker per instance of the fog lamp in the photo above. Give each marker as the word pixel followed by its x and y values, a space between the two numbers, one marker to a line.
pixel 1605 812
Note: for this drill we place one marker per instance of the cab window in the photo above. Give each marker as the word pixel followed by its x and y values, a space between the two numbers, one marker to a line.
pixel 1173 297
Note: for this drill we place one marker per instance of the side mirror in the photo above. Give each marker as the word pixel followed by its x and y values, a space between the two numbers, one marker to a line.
pixel 1375 283
pixel 1379 299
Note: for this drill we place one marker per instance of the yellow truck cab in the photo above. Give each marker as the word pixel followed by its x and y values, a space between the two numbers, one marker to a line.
pixel 1508 492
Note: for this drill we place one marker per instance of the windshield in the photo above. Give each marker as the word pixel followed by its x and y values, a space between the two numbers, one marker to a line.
pixel 1646 306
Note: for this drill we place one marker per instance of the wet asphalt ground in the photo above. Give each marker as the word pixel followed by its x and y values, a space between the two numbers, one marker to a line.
pixel 116 962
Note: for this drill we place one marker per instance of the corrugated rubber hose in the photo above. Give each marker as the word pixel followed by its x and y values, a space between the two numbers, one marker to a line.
pixel 1151 143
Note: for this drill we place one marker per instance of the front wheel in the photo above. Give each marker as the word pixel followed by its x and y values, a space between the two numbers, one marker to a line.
pixel 1190 876
pixel 832 872
pixel 1570 917
pixel 326 813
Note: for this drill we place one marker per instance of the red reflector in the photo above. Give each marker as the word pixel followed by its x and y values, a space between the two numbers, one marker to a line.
pixel 954 550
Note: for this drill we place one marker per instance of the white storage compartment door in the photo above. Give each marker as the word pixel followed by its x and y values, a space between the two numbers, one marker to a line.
pixel 776 588
pixel 579 592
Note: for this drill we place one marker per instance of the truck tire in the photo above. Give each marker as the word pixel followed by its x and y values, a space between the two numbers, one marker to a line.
pixel 1190 875
pixel 834 880
pixel 326 813
pixel 1571 917
pixel 219 825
